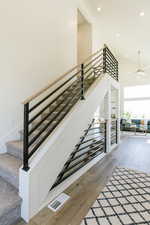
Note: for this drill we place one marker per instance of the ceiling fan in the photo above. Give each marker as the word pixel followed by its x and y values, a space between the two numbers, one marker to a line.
pixel 140 72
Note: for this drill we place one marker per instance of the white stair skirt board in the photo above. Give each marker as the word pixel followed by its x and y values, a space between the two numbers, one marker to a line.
pixel 124 201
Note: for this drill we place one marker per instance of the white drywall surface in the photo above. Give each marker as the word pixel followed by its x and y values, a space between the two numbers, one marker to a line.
pixel 38 42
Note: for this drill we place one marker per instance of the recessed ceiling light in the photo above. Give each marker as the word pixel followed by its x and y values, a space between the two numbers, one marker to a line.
pixel 142 13
pixel 118 35
pixel 99 9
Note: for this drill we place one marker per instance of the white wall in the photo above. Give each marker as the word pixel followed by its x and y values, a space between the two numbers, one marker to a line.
pixel 84 41
pixel 38 42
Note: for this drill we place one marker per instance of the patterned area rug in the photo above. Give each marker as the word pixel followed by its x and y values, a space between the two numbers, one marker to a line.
pixel 124 201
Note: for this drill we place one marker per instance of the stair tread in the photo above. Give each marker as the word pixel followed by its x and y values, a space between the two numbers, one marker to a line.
pixel 10 162
pixel 15 148
pixel 9 198
pixel 9 168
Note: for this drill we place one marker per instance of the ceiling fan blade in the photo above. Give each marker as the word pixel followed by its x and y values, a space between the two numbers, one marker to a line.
pixel 137 74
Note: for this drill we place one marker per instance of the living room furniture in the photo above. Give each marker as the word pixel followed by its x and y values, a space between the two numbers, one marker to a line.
pixel 136 125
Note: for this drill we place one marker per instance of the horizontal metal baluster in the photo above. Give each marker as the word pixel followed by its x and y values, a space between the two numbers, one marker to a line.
pixel 93 143
pixel 98 146
pixel 88 140
pixel 84 163
pixel 111 55
pixel 64 178
pixel 47 125
pixel 91 66
pixel 72 156
pixel 78 162
pixel 53 92
pixel 93 133
pixel 51 103
pixel 44 138
pixel 109 58
pixel 49 114
pixel 86 65
pixel 71 160
pixel 94 128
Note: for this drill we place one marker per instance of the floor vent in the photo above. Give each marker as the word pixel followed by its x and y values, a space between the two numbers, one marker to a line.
pixel 58 202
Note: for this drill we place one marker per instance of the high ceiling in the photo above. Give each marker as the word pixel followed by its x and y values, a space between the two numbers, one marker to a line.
pixel 122 27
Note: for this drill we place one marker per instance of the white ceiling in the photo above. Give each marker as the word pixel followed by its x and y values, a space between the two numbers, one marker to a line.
pixel 122 16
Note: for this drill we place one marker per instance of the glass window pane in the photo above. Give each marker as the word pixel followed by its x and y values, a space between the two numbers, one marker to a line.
pixel 138 109
pixel 140 91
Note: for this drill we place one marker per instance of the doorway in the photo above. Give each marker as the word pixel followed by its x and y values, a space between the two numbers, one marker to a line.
pixel 84 39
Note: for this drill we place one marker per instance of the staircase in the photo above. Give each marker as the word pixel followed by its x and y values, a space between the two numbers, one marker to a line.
pixel 12 160
pixel 10 201
pixel 43 113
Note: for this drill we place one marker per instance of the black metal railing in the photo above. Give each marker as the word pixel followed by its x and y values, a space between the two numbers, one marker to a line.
pixel 45 110
pixel 91 144
pixel 110 63
pixel 114 131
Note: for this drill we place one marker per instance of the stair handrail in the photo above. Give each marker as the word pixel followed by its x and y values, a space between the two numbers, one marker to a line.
pixel 34 96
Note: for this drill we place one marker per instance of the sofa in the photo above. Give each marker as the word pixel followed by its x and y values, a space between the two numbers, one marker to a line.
pixel 128 126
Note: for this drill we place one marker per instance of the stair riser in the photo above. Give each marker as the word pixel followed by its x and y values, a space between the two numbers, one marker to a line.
pixel 18 153
pixel 9 177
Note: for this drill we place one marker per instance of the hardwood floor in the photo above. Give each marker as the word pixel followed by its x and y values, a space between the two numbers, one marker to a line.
pixel 133 152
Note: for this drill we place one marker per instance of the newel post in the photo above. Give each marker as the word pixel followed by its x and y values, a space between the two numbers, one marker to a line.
pixel 26 138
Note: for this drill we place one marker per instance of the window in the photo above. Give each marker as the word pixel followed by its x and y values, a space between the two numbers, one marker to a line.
pixel 142 91
pixel 137 101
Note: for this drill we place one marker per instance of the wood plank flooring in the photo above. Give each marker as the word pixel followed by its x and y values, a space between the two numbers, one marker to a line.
pixel 133 152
